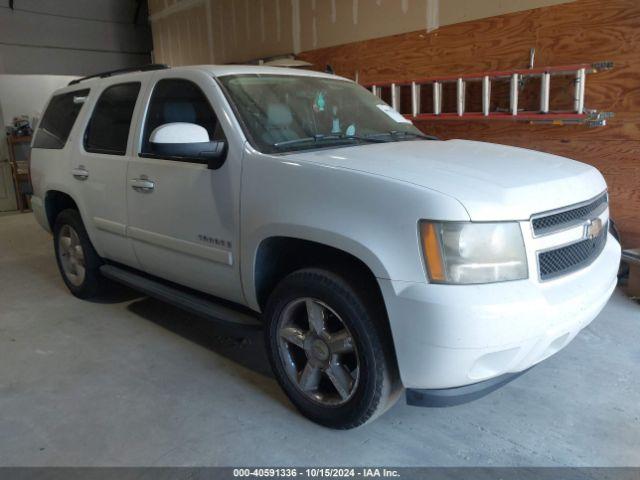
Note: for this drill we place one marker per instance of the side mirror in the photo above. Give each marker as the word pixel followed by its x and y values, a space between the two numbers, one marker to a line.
pixel 187 141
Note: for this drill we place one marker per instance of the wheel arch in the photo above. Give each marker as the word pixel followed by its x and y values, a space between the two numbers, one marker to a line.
pixel 55 201
pixel 277 256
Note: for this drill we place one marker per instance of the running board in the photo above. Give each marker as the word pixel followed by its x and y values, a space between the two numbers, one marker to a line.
pixel 198 304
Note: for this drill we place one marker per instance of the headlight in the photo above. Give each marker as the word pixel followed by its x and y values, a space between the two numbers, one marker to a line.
pixel 464 252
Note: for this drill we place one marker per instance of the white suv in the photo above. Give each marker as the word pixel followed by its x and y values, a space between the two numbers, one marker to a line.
pixel 374 257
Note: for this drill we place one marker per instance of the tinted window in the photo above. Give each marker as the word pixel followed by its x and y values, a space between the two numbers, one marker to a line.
pixel 179 101
pixel 108 129
pixel 58 119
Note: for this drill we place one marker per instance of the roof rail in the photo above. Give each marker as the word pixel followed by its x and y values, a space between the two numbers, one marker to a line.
pixel 142 68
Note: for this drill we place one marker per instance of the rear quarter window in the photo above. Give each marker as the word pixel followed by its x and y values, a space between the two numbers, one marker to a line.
pixel 57 121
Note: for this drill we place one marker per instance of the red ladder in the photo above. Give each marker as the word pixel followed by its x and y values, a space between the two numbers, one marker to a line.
pixel 579 114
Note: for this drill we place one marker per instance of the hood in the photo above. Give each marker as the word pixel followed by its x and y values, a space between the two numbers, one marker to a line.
pixel 493 182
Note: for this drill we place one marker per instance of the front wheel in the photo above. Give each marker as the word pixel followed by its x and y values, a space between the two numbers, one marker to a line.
pixel 328 350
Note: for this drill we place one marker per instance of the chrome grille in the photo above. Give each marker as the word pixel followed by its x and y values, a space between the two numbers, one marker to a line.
pixel 567 259
pixel 547 223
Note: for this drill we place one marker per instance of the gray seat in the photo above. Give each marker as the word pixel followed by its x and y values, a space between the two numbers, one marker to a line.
pixel 179 112
pixel 279 122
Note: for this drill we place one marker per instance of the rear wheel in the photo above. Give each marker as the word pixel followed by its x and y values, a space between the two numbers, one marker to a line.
pixel 328 349
pixel 78 261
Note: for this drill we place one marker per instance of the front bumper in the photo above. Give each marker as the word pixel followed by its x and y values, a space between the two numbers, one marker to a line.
pixel 448 336
pixel 449 397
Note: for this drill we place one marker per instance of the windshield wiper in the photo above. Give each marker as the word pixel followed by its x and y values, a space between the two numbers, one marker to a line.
pixel 330 138
pixel 395 134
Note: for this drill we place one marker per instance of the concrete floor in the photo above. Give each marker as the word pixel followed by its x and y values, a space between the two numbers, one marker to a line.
pixel 132 381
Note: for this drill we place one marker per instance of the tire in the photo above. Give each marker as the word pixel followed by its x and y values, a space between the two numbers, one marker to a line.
pixel 78 263
pixel 353 387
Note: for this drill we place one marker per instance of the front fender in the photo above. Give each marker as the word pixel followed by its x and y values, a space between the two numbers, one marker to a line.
pixel 371 217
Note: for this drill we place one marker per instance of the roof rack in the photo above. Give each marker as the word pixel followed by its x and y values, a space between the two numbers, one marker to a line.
pixel 142 68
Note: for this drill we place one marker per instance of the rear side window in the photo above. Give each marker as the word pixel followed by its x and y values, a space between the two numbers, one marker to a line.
pixel 108 129
pixel 58 119
pixel 178 100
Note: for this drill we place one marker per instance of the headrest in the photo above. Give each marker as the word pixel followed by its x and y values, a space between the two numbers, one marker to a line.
pixel 279 115
pixel 179 112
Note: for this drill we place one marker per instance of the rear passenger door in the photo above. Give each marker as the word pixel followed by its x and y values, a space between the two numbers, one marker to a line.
pixel 100 169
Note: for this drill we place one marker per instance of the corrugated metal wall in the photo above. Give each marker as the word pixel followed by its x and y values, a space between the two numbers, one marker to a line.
pixel 72 37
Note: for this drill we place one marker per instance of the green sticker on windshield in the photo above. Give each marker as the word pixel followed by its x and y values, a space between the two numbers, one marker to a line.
pixel 320 102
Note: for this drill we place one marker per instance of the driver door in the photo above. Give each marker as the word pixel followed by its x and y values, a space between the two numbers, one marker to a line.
pixel 183 216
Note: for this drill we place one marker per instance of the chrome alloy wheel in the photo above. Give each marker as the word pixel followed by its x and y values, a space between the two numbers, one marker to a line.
pixel 318 352
pixel 71 255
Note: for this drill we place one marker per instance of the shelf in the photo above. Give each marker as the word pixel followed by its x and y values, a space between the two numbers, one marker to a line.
pixel 14 140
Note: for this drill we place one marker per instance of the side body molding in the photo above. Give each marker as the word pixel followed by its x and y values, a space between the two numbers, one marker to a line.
pixel 214 254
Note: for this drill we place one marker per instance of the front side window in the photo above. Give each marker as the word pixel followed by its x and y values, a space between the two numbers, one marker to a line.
pixel 283 113
pixel 178 101
pixel 58 119
pixel 108 129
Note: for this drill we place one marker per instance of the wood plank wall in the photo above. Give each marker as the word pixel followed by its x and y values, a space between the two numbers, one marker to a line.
pixel 584 31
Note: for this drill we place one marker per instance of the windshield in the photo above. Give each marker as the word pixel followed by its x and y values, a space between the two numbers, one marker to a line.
pixel 284 113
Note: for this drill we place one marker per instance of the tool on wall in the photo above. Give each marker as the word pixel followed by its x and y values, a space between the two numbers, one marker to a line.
pixel 578 115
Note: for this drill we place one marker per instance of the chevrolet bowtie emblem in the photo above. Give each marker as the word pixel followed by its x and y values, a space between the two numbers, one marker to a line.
pixel 592 228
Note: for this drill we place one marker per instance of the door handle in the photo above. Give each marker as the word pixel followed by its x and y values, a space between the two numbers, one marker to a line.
pixel 80 173
pixel 143 185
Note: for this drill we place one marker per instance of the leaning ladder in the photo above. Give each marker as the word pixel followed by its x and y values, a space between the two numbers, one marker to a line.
pixel 579 114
